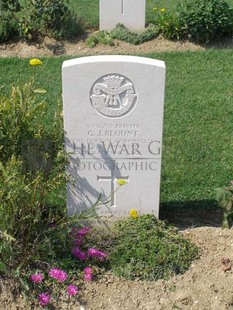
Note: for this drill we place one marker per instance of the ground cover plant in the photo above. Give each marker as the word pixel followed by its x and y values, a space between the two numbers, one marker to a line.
pixel 142 247
pixel 122 33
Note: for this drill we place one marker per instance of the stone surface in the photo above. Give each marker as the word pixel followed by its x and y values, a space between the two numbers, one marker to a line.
pixel 113 118
pixel 130 13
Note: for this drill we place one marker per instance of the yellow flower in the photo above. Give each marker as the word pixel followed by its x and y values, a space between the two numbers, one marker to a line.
pixel 155 9
pixel 163 10
pixel 35 62
pixel 133 213
pixel 121 181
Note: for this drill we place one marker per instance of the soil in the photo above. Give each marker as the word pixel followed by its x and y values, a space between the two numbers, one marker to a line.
pixel 207 285
pixel 51 47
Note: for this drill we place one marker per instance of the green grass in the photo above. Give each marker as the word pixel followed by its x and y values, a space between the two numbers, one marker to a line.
pixel 17 71
pixel 197 132
pixel 89 13
pixel 197 146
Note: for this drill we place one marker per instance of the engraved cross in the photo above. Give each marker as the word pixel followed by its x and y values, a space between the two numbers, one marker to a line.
pixel 112 178
pixel 122 7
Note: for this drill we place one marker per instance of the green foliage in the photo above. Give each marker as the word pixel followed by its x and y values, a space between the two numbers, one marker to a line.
pixel 32 171
pixel 57 18
pixel 148 249
pixel 18 117
pixel 224 196
pixel 167 23
pixel 101 37
pixel 122 33
pixel 8 27
pixel 206 20
pixel 198 20
pixel 34 18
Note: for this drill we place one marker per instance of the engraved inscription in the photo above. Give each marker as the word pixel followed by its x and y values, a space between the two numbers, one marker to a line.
pixel 113 96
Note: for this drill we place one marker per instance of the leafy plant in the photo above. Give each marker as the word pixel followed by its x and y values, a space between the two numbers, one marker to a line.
pixel 101 37
pixel 57 17
pixel 32 172
pixel 120 32
pixel 18 117
pixel 167 23
pixel 8 27
pixel 205 20
pixel 224 196
pixel 34 18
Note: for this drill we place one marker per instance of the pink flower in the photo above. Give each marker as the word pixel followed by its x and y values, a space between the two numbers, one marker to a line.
pixel 88 277
pixel 78 253
pixel 84 230
pixel 37 277
pixel 44 299
pixel 87 270
pixel 88 274
pixel 92 252
pixel 58 274
pixel 72 289
pixel 79 232
pixel 78 241
pixel 74 232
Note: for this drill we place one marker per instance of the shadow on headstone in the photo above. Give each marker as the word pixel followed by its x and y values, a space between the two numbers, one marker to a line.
pixel 81 192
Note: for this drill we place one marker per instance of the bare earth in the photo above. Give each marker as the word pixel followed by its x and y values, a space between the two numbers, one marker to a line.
pixel 207 285
pixel 51 47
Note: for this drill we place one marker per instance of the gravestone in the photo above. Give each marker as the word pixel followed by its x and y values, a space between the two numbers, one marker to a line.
pixel 130 13
pixel 113 118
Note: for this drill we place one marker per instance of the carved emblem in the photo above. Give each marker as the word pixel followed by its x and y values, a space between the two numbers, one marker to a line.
pixel 113 95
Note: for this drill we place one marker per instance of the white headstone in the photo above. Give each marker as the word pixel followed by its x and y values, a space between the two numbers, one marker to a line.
pixel 113 118
pixel 130 13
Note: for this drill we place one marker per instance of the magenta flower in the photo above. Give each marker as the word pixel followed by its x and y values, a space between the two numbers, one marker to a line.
pixel 72 289
pixel 92 252
pixel 74 232
pixel 58 274
pixel 37 277
pixel 78 253
pixel 87 270
pixel 88 277
pixel 79 232
pixel 44 299
pixel 84 230
pixel 78 241
pixel 88 274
